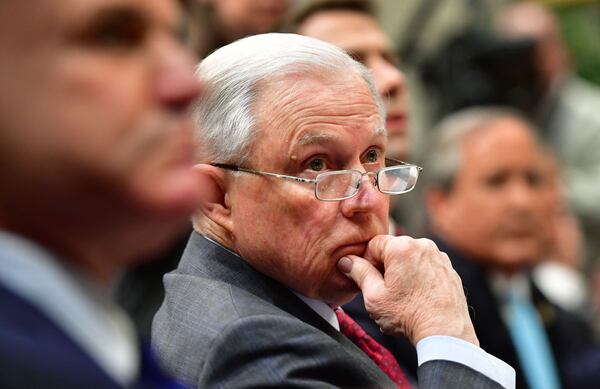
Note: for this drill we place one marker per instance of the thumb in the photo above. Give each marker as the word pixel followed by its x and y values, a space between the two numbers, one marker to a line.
pixel 361 271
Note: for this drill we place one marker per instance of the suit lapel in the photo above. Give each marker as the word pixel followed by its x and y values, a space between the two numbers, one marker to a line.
pixel 204 258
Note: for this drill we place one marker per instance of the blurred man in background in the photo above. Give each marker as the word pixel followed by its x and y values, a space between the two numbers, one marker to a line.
pixel 488 200
pixel 215 23
pixel 352 26
pixel 95 153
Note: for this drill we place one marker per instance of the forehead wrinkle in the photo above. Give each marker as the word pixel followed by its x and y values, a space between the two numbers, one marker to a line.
pixel 305 120
pixel 285 105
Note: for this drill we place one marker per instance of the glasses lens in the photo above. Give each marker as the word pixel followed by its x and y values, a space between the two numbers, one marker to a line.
pixel 337 185
pixel 398 179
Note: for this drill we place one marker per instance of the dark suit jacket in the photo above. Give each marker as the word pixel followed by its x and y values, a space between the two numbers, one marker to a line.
pixel 223 324
pixel 140 291
pixel 577 357
pixel 36 353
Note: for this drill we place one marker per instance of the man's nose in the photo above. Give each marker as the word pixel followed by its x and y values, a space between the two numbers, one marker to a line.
pixel 389 80
pixel 367 200
pixel 521 195
pixel 175 85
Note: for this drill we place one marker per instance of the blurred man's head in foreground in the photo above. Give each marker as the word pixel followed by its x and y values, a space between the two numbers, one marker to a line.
pixel 487 193
pixel 352 26
pixel 95 142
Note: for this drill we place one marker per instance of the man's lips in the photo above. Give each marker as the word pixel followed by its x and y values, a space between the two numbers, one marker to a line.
pixel 520 234
pixel 350 249
pixel 358 249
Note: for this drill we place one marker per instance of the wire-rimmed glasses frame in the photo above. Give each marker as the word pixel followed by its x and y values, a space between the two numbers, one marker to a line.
pixel 399 171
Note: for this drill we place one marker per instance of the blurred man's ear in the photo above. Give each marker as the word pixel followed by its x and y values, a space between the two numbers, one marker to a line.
pixel 214 205
pixel 437 205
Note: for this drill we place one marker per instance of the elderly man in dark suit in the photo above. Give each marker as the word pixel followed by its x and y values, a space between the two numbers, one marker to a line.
pixel 293 225
pixel 95 158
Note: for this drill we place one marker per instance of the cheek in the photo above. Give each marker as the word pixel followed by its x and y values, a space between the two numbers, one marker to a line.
pixel 285 232
pixel 473 219
pixel 108 95
pixel 295 222
pixel 77 111
pixel 114 102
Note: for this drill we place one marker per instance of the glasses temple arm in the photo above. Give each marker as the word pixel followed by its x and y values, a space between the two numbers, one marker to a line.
pixel 245 170
pixel 398 162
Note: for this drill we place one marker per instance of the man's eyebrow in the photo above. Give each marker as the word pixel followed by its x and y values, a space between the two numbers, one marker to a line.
pixel 119 11
pixel 321 138
pixel 315 138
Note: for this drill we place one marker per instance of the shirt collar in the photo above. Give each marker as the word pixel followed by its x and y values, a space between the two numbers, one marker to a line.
pixel 322 309
pixel 94 322
pixel 503 286
pixel 517 283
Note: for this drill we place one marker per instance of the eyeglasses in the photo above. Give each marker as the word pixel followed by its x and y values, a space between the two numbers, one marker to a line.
pixel 340 185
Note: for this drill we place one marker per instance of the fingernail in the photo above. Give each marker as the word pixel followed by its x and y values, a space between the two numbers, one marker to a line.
pixel 345 265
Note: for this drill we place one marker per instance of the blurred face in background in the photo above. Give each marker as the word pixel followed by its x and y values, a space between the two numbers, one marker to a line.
pixel 93 108
pixel 240 18
pixel 529 20
pixel 359 34
pixel 496 208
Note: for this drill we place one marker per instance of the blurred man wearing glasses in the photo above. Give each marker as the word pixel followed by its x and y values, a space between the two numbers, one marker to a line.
pixel 293 226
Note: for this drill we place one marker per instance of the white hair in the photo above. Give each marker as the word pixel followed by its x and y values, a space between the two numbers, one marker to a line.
pixel 444 157
pixel 225 117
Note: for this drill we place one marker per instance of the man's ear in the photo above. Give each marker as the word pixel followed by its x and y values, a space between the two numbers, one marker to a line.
pixel 436 202
pixel 215 203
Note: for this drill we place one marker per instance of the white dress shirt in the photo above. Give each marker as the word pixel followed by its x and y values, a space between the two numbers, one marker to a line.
pixel 85 314
pixel 441 348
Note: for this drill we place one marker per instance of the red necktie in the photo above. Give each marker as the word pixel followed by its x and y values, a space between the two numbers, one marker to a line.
pixel 379 354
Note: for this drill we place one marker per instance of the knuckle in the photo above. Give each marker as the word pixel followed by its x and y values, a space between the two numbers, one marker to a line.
pixel 404 243
pixel 379 243
pixel 428 244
